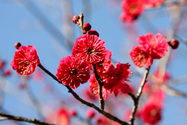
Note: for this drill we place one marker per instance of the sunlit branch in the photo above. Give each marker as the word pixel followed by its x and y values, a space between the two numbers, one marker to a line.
pixel 81 21
pixel 136 99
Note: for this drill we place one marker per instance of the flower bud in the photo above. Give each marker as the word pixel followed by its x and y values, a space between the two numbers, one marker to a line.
pixel 84 31
pixel 87 26
pixel 17 45
pixel 174 43
pixel 75 19
pixel 90 113
pixel 6 72
pixel 93 32
pixel 72 112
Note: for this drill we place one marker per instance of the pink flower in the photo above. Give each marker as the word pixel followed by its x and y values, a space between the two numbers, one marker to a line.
pixel 89 48
pixel 72 71
pixel 94 88
pixel 150 48
pixel 140 58
pixel 151 113
pixel 132 7
pixel 157 97
pixel 7 72
pixel 62 117
pixel 90 113
pixel 156 46
pixel 72 112
pixel 117 79
pixel 25 60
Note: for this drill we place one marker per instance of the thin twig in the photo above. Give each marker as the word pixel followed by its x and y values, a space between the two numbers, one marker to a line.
pixel 108 115
pixel 100 86
pixel 18 118
pixel 81 22
pixel 133 97
pixel 136 99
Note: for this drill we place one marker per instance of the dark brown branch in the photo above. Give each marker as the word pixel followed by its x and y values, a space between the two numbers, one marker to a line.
pixel 133 97
pixel 108 115
pixel 23 119
pixel 100 86
pixel 136 99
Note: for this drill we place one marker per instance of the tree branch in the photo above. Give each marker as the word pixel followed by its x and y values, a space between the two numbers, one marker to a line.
pixel 81 22
pixel 100 86
pixel 136 99
pixel 18 118
pixel 108 115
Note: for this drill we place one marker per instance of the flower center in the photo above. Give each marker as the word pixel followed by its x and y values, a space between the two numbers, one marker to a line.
pixel 73 71
pixel 27 63
pixel 101 64
pixel 90 51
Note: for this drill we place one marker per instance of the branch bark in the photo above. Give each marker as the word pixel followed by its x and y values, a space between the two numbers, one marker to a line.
pixel 136 99
pixel 23 119
pixel 108 115
pixel 100 86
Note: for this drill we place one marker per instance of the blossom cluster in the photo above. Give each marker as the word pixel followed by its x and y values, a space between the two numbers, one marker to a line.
pixel 151 47
pixel 90 51
pixel 89 54
pixel 133 8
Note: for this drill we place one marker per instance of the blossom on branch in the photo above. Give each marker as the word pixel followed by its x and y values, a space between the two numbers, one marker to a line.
pixel 72 71
pixel 25 60
pixel 62 117
pixel 140 58
pixel 89 48
pixel 156 46
pixel 116 81
pixel 151 47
